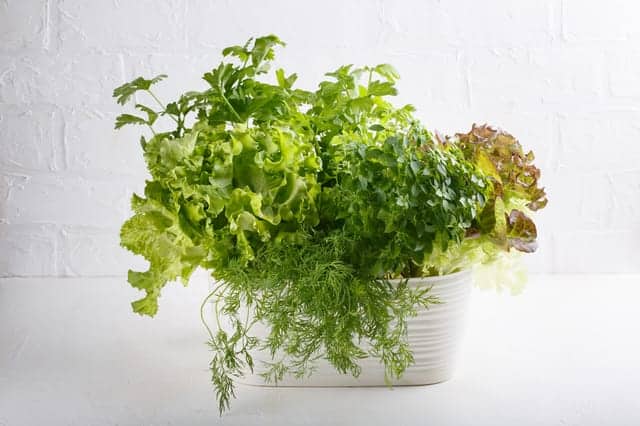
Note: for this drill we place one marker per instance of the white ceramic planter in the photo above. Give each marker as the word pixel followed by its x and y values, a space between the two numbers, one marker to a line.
pixel 434 336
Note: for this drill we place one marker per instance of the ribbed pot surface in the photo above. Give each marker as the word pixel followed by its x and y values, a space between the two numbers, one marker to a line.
pixel 434 337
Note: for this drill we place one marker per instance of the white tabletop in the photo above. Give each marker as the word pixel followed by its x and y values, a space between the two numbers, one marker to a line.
pixel 565 352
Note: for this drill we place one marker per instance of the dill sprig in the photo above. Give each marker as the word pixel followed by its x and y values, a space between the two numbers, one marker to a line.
pixel 315 306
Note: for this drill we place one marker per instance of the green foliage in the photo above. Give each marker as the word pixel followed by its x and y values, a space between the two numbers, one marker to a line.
pixel 304 204
pixel 124 93
pixel 398 198
pixel 316 305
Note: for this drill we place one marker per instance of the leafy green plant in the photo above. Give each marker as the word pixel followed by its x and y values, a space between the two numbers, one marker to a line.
pixel 303 205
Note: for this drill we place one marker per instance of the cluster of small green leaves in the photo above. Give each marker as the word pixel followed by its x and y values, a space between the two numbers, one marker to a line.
pixel 399 199
pixel 385 181
pixel 303 205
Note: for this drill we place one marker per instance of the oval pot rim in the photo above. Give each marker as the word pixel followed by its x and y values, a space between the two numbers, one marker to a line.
pixel 434 278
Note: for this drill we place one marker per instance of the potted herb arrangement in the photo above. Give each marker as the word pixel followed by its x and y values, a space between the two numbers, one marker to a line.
pixel 340 232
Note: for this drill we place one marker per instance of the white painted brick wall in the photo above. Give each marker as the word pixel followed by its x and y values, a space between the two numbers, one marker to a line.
pixel 562 75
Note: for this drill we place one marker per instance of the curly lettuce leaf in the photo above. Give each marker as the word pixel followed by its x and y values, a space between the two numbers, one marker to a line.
pixel 505 271
pixel 155 233
pixel 501 157
pixel 216 196
pixel 514 189
pixel 521 232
